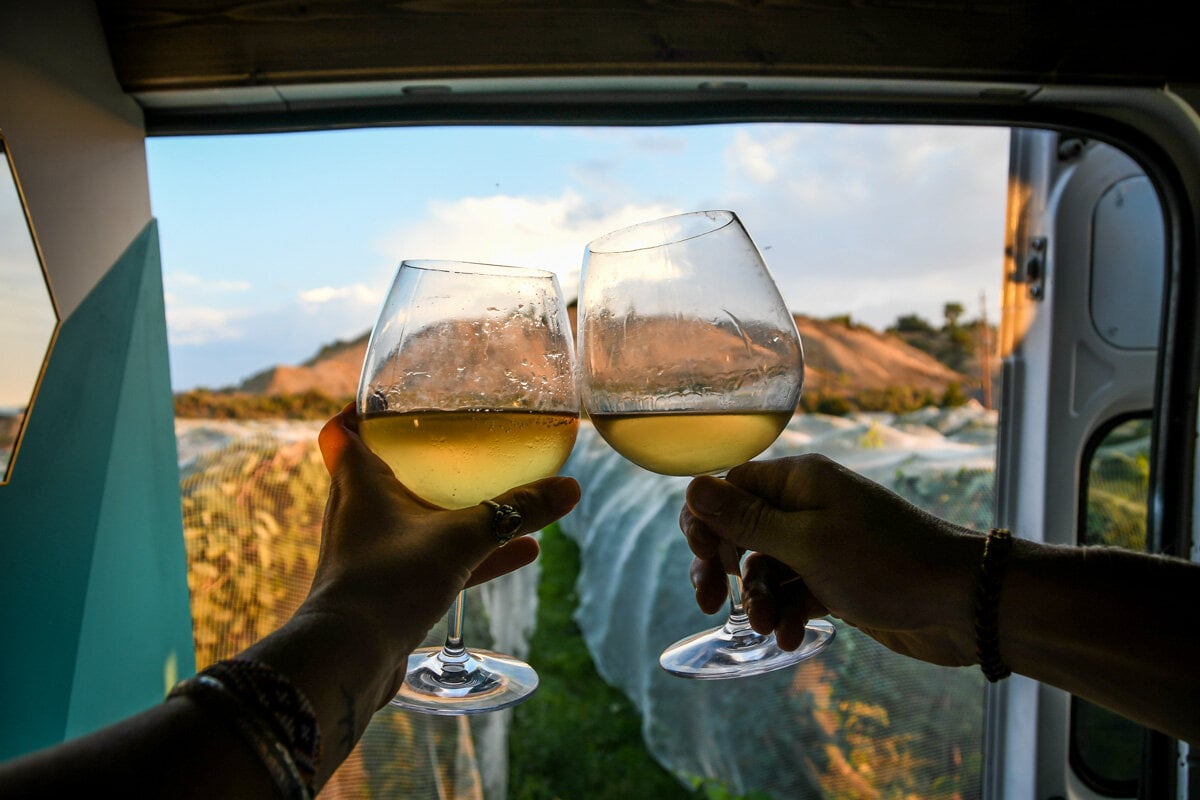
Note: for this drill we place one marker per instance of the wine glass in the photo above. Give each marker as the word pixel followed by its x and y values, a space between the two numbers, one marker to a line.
pixel 468 389
pixel 690 365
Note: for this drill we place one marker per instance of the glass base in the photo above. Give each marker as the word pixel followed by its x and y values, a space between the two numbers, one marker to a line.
pixel 738 651
pixel 476 682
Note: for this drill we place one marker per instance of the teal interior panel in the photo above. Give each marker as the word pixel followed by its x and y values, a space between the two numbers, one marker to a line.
pixel 93 589
pixel 137 599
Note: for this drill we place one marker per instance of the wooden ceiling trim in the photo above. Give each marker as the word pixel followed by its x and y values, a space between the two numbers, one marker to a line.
pixel 195 44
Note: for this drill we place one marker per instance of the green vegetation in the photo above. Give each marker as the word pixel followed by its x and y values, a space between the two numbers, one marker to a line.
pixel 954 396
pixel 957 343
pixel 844 320
pixel 582 738
pixel 210 404
pixel 891 400
pixel 877 750
pixel 1118 486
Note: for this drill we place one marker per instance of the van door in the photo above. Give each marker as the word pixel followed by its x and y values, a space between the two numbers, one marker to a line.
pixel 1084 288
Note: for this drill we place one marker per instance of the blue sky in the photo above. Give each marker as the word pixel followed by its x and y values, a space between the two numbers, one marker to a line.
pixel 273 245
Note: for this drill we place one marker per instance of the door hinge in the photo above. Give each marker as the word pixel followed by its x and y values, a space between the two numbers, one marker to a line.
pixel 1033 272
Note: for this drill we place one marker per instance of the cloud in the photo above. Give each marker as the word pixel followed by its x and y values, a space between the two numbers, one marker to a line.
pixel 758 157
pixel 195 284
pixel 544 232
pixel 325 311
pixel 875 221
pixel 199 324
pixel 217 347
pixel 358 293
pixel 198 310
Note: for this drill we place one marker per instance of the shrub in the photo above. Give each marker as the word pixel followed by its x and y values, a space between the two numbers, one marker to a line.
pixel 834 405
pixel 209 404
pixel 953 397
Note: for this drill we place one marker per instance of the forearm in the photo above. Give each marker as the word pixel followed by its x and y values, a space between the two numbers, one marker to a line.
pixel 175 749
pixel 187 747
pixel 338 665
pixel 1066 619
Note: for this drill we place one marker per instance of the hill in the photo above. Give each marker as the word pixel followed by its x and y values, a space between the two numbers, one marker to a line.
pixel 333 372
pixel 842 360
pixel 846 360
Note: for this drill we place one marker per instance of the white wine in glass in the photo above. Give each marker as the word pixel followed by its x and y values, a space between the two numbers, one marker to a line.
pixel 690 365
pixel 468 389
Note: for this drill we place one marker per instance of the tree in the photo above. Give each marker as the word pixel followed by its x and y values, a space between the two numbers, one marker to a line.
pixel 953 311
pixel 912 323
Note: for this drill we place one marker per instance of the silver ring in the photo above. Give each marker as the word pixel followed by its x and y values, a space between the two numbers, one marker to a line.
pixel 506 521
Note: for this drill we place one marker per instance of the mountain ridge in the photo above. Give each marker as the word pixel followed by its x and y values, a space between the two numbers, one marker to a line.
pixel 841 360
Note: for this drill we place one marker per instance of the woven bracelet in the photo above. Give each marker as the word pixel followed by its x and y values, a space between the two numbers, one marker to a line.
pixel 270 714
pixel 987 603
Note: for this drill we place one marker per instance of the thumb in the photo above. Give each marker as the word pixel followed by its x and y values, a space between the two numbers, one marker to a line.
pixel 347 457
pixel 737 516
pixel 336 438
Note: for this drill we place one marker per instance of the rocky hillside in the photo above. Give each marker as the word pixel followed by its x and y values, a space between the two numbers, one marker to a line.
pixel 841 359
pixel 332 372
pixel 844 360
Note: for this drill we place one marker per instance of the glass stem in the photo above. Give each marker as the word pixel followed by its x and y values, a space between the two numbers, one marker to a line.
pixel 454 653
pixel 738 622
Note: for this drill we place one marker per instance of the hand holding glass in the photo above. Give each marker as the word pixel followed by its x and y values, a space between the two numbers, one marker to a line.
pixel 468 389
pixel 691 364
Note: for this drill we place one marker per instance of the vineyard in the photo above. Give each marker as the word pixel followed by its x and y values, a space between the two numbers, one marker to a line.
pixel 856 722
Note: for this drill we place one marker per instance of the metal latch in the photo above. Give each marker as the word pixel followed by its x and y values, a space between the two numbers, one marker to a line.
pixel 1033 273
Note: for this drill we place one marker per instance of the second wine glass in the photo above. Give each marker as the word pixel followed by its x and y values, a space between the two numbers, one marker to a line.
pixel 468 389
pixel 691 364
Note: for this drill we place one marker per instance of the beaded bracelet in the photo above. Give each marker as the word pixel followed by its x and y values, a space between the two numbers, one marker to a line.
pixel 271 714
pixel 987 604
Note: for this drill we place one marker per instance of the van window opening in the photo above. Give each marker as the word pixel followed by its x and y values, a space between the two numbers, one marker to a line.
pixel 888 244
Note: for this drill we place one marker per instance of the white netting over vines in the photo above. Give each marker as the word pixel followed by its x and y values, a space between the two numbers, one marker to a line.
pixel 858 721
pixel 253 498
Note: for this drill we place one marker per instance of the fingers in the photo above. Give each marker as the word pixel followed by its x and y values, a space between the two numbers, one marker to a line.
pixel 778 600
pixel 345 453
pixel 540 502
pixel 703 542
pixel 335 437
pixel 802 482
pixel 720 510
pixel 708 579
pixel 518 553
pixel 792 628
pixel 761 576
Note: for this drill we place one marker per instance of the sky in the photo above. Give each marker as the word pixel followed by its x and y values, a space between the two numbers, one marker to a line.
pixel 276 244
pixel 26 310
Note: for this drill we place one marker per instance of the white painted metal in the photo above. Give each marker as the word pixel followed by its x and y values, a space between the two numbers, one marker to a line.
pixel 1082 354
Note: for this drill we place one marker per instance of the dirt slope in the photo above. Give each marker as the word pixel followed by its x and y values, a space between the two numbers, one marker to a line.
pixel 839 360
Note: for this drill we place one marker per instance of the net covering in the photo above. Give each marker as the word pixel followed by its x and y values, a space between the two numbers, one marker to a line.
pixel 858 721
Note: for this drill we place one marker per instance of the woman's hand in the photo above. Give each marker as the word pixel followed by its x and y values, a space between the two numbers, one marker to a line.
pixel 827 540
pixel 391 562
